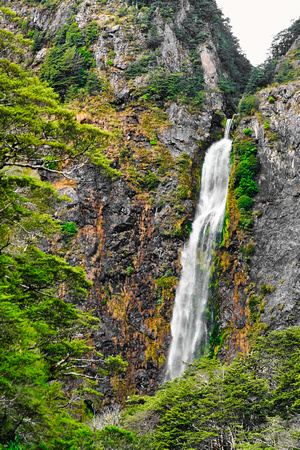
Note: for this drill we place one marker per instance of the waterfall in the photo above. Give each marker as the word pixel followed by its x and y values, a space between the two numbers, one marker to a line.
pixel 189 324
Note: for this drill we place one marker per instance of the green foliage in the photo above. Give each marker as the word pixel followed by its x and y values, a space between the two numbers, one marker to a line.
pixel 93 85
pixel 69 229
pixel 246 166
pixel 247 251
pixel 244 203
pixel 109 62
pixel 286 73
pixel 284 40
pixel 92 32
pixel 154 39
pixel 192 32
pixel 38 41
pixel 234 406
pixel 253 304
pixel 271 99
pixel 247 132
pixel 263 75
pixel 67 63
pixel 9 42
pixel 150 181
pixel 266 288
pixel 183 161
pixel 114 437
pixel 144 64
pixel 129 271
pixel 163 86
pixel 40 345
pixel 49 4
pixel 248 104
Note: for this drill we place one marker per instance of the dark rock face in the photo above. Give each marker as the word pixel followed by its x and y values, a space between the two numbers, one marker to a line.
pixel 124 254
pixel 130 239
pixel 275 260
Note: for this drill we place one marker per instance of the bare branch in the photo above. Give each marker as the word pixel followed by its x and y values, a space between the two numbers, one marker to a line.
pixel 42 167
pixel 81 375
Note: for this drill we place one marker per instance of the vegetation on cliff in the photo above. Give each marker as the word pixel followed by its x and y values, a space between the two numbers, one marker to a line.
pixel 281 65
pixel 45 340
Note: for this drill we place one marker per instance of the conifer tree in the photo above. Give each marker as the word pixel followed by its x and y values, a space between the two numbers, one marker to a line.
pixel 41 337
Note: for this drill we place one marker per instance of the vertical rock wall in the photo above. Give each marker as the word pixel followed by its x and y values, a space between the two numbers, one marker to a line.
pixel 269 275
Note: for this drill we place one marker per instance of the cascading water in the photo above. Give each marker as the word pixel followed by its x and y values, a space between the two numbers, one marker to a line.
pixel 189 325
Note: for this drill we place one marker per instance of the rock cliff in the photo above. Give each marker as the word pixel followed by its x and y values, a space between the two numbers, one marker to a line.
pixel 160 78
pixel 259 284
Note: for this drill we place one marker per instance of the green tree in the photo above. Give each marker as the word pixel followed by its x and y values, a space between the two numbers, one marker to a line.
pixel 252 403
pixel 39 343
pixel 67 65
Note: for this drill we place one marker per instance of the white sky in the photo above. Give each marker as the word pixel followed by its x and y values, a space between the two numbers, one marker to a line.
pixel 256 22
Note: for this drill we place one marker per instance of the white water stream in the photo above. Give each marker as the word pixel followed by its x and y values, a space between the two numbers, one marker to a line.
pixel 189 323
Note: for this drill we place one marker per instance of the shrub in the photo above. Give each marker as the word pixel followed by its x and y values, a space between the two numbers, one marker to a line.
pixel 246 223
pixel 247 132
pixel 154 39
pixel 271 99
pixel 248 250
pixel 248 104
pixel 69 229
pixel 266 125
pixel 150 181
pixel 109 62
pixel 168 273
pixel 122 12
pixel 93 84
pixel 163 86
pixel 245 203
pixel 246 169
pixel 68 61
pixel 266 288
pixel 183 161
pixel 38 41
pixel 253 303
pixel 129 271
pixel 286 73
pixel 92 32
pixel 141 66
